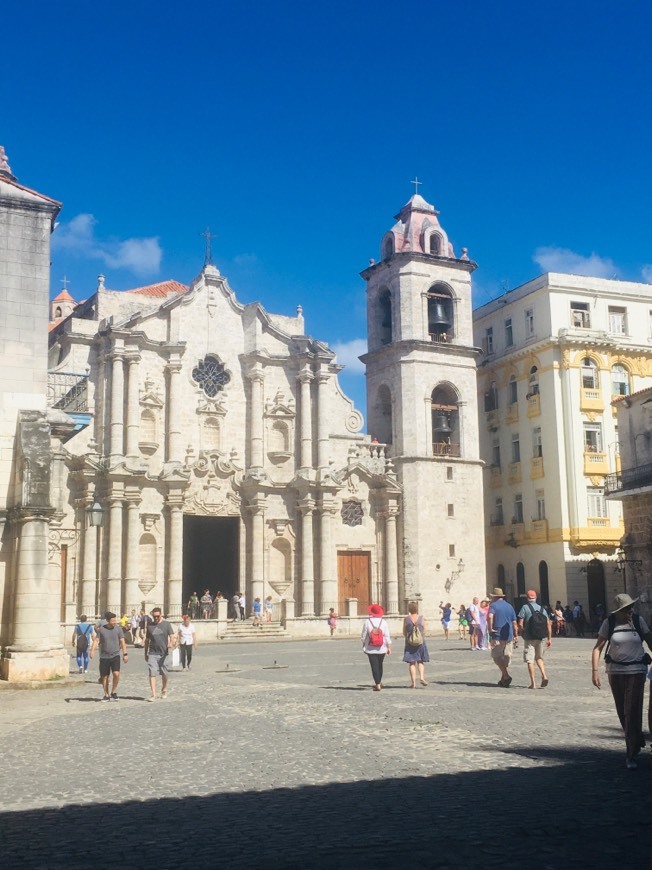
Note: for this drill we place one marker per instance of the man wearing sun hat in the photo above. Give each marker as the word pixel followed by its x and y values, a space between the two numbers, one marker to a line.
pixel 502 625
pixel 623 634
pixel 535 644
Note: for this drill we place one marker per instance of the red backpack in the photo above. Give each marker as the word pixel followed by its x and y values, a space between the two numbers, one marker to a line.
pixel 376 636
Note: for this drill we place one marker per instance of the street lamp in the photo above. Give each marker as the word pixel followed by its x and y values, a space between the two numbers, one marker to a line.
pixel 95 514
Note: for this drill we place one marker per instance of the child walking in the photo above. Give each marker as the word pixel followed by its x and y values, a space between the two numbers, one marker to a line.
pixel 332 621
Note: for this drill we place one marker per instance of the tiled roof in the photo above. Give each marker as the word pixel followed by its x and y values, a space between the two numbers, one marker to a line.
pixel 54 323
pixel 64 296
pixel 161 290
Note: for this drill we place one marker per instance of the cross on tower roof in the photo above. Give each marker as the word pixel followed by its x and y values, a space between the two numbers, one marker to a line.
pixel 415 181
pixel 64 281
pixel 208 254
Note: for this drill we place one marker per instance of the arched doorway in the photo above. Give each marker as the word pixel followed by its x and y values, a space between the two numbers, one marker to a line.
pixel 520 580
pixel 595 587
pixel 544 590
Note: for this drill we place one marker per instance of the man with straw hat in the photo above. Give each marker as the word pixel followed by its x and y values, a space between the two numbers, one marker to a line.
pixel 623 633
pixel 503 629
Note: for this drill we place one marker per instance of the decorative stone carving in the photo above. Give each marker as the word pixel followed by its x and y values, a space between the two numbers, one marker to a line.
pixel 352 513
pixel 210 375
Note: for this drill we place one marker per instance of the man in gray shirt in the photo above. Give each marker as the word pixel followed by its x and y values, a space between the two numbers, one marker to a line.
pixel 111 641
pixel 158 641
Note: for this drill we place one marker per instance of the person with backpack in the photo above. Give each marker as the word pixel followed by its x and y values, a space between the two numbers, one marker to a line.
pixel 535 625
pixel 416 652
pixel 626 662
pixel 376 642
pixel 82 636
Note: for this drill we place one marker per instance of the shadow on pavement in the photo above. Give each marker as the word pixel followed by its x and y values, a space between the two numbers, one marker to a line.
pixel 580 809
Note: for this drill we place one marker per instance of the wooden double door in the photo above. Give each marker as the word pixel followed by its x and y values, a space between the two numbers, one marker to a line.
pixel 354 579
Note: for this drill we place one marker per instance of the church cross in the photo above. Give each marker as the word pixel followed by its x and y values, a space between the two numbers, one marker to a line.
pixel 64 281
pixel 208 253
pixel 415 181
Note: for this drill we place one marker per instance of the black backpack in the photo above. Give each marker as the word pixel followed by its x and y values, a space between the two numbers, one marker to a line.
pixel 536 627
pixel 82 640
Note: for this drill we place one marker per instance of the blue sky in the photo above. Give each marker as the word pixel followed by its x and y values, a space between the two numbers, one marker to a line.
pixel 293 130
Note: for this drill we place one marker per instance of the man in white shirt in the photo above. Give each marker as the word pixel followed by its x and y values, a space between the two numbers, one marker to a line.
pixel 187 641
pixel 474 625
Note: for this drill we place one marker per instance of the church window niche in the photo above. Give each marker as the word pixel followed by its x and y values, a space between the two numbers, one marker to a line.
pixel 148 435
pixel 441 325
pixel 352 513
pixel 279 438
pixel 384 415
pixel 387 247
pixel 211 434
pixel 57 312
pixel 209 373
pixel 385 316
pixel 434 243
pixel 148 574
pixel 445 422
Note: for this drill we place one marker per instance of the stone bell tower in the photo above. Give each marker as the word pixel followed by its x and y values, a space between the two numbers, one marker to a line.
pixel 422 402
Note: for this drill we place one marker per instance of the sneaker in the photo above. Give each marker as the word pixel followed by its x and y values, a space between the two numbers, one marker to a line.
pixel 114 696
pixel 152 698
pixel 106 698
pixel 164 693
pixel 81 670
pixel 630 764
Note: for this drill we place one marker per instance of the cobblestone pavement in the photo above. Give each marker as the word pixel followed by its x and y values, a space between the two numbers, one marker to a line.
pixel 304 766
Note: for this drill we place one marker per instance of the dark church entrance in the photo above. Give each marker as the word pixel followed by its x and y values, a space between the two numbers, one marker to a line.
pixel 211 547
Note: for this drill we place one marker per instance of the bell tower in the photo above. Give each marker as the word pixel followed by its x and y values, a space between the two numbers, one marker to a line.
pixel 422 403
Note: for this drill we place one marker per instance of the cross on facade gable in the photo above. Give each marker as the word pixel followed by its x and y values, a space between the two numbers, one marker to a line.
pixel 208 253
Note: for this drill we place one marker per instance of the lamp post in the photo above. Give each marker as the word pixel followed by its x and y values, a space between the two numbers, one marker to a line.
pixel 455 573
pixel 95 514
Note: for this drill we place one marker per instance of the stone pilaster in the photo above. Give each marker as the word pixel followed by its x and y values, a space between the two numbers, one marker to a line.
pixel 174 403
pixel 88 595
pixel 257 378
pixel 306 506
pixel 391 561
pixel 323 421
pixel 133 405
pixel 117 406
pixel 132 596
pixel 305 379
pixel 257 509
pixel 174 579
pixel 113 599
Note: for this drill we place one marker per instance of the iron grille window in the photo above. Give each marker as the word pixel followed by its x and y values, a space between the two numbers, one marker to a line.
pixel 209 373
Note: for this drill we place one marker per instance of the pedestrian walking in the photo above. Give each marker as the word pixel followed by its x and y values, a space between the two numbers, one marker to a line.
pixel 503 628
pixel 242 606
pixel 158 642
pixel 481 627
pixel 257 612
pixel 206 603
pixel 376 642
pixel 626 663
pixel 193 606
pixel 82 637
pixel 446 611
pixel 332 620
pixel 187 641
pixel 268 609
pixel 235 607
pixel 535 625
pixel 111 641
pixel 473 618
pixel 462 622
pixel 416 651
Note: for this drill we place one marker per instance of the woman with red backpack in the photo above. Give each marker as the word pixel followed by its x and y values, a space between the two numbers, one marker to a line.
pixel 376 642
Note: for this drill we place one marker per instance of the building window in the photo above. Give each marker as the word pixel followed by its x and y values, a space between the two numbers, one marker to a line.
pixel 596 506
pixel 529 322
pixel 388 247
pixel 385 316
pixel 589 372
pixel 495 452
pixel 491 398
pixel 489 340
pixel 580 315
pixel 593 437
pixel 449 472
pixel 352 513
pixel 516 448
pixel 537 448
pixel 210 375
pixel 513 390
pixel 533 382
pixel 445 422
pixel 498 517
pixel 451 510
pixel 619 381
pixel 518 508
pixel 520 579
pixel 451 549
pixel 435 244
pixel 509 334
pixel 541 504
pixel 617 321
pixel 384 415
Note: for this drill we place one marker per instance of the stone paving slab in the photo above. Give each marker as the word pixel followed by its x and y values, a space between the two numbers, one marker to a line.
pixel 305 766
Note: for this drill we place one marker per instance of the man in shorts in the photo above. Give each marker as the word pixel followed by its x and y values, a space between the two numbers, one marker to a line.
pixel 111 641
pixel 502 630
pixel 533 648
pixel 158 641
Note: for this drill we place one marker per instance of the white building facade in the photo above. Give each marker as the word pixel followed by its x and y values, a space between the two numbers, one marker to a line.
pixel 555 353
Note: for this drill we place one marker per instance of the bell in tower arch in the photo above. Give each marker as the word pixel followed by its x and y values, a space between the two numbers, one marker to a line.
pixel 438 318
pixel 440 424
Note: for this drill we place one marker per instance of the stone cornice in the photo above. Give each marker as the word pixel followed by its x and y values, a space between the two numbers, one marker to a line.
pixel 416 256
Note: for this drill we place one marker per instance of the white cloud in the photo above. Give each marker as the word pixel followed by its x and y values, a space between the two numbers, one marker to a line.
pixel 77 238
pixel 552 259
pixel 646 272
pixel 348 353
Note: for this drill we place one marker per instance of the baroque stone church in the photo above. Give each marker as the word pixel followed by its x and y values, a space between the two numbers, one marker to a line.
pixel 209 444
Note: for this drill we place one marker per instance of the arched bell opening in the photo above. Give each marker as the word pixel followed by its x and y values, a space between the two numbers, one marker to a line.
pixel 441 321
pixel 385 316
pixel 445 415
pixel 383 415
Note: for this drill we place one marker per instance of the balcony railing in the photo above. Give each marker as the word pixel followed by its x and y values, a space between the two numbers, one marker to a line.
pixel 630 478
pixel 595 463
pixel 442 448
pixel 68 392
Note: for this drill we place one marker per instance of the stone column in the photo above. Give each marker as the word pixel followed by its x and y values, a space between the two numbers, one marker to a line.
pixel 306 507
pixel 327 572
pixel 31 589
pixel 174 581
pixel 305 379
pixel 132 568
pixel 117 406
pixel 257 508
pixel 323 422
pixel 133 406
pixel 256 433
pixel 175 447
pixel 89 569
pixel 114 581
pixel 391 561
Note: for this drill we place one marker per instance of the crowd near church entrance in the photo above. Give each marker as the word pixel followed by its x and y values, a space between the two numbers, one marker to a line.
pixel 210 555
pixel 354 579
